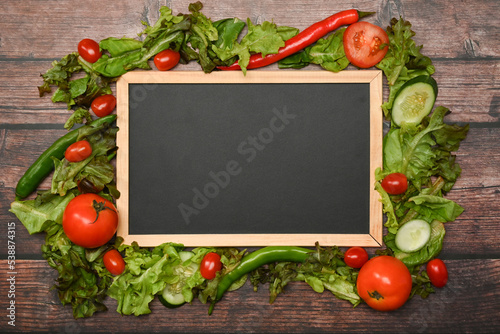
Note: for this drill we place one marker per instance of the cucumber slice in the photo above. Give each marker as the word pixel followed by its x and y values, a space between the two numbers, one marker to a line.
pixel 413 235
pixel 414 100
pixel 172 296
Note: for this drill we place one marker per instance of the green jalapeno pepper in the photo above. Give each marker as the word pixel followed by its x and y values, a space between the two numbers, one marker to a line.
pixel 44 164
pixel 257 259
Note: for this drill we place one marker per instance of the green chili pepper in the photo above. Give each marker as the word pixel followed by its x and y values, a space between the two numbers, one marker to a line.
pixel 44 164
pixel 259 258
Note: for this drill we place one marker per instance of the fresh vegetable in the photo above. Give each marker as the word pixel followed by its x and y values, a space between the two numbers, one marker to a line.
pixel 169 32
pixel 413 235
pixel 89 220
pixel 299 42
pixel 44 164
pixel 356 257
pixel 103 105
pixel 323 270
pixel 166 59
pixel 365 44
pixel 327 52
pixel 96 169
pixel 430 250
pixel 172 295
pixel 384 283
pixel 259 258
pixel 89 50
pixel 421 153
pixel 438 273
pixel 395 183
pixel 78 151
pixel 414 100
pixel 403 60
pixel 420 150
pixel 147 274
pixel 113 261
pixel 210 265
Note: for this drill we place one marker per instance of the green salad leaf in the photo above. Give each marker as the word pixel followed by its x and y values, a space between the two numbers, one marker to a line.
pixel 35 215
pixel 325 269
pixel 428 252
pixel 263 38
pixel 327 52
pixel 95 169
pixel 403 60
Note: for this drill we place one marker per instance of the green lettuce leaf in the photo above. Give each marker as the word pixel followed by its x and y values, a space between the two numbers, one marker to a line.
pixel 60 73
pixel 428 252
pixel 146 274
pixel 120 46
pixel 228 31
pixel 424 151
pixel 403 60
pixel 287 32
pixel 263 39
pixel 435 208
pixel 79 116
pixel 329 52
pixel 388 208
pixel 403 52
pixel 95 169
pixel 37 216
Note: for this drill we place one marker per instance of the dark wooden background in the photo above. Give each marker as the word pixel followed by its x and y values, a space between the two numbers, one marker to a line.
pixel 461 37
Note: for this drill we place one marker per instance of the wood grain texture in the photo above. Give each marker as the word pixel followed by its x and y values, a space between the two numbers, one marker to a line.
pixel 461 37
pixel 468 303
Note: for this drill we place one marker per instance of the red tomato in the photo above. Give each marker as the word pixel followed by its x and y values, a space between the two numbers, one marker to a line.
pixel 355 257
pixel 395 183
pixel 166 59
pixel 438 273
pixel 362 42
pixel 89 220
pixel 78 151
pixel 113 261
pixel 89 50
pixel 210 265
pixel 384 283
pixel 103 105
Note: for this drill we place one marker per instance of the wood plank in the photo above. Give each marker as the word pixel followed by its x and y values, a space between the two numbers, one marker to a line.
pixel 54 29
pixel 476 190
pixel 469 305
pixel 471 93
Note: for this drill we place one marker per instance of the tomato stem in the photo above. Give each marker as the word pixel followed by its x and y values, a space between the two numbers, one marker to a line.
pixel 98 207
pixel 376 295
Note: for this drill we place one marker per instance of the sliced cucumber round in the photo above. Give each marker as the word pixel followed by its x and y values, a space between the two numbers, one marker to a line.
pixel 414 100
pixel 172 296
pixel 413 235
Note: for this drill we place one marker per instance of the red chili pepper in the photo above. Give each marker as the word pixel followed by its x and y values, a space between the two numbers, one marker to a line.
pixel 303 39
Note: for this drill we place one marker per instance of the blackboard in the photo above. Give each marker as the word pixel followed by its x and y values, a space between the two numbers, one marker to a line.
pixel 270 158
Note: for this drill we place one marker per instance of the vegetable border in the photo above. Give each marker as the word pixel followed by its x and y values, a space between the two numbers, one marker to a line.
pixel 83 280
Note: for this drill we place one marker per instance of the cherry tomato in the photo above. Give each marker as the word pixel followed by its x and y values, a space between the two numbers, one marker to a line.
pixel 103 105
pixel 89 220
pixel 210 265
pixel 384 283
pixel 395 183
pixel 438 273
pixel 78 151
pixel 355 257
pixel 89 50
pixel 362 42
pixel 113 261
pixel 166 59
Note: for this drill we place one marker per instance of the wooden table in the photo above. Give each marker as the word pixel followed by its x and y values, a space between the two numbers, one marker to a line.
pixel 461 37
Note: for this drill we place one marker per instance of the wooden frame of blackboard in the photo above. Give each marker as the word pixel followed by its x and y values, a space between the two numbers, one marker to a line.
pixel 371 77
